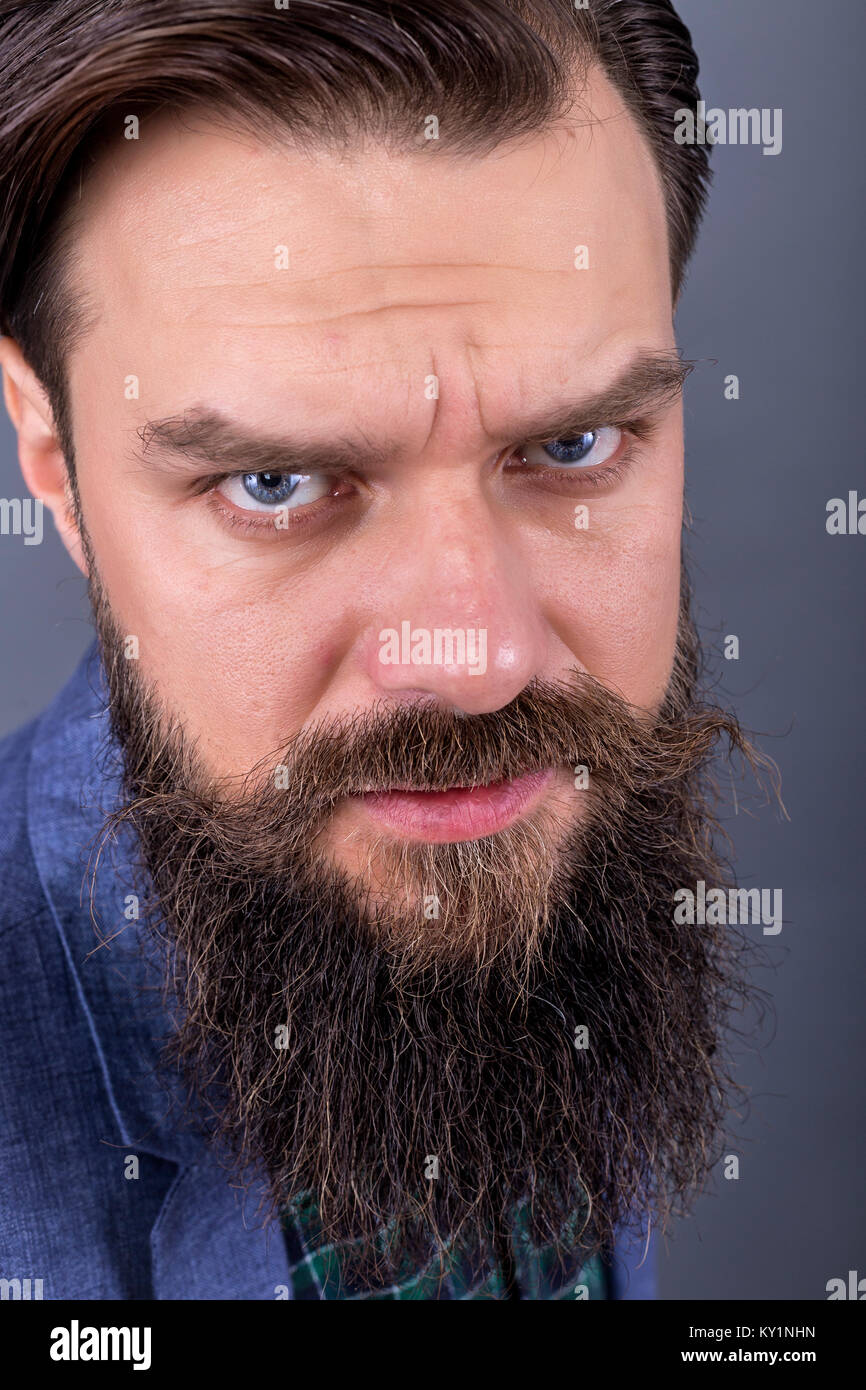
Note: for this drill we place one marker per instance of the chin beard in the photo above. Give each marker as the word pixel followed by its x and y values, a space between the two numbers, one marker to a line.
pixel 522 1009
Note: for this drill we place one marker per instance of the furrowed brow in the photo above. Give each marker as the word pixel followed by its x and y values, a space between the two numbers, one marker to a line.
pixel 202 436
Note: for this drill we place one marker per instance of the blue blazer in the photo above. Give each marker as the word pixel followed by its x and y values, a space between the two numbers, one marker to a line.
pixel 104 1191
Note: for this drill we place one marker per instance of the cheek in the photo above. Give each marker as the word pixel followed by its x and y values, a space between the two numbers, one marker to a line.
pixel 637 627
pixel 616 607
pixel 229 653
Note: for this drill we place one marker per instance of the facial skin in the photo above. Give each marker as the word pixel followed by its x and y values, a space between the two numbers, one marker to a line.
pixel 399 268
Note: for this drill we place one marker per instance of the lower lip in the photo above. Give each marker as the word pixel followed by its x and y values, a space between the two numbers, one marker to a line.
pixel 463 813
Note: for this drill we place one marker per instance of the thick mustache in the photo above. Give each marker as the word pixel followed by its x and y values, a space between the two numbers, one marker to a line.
pixel 429 750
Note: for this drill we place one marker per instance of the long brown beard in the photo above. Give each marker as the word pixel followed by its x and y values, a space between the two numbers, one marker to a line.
pixel 337 1045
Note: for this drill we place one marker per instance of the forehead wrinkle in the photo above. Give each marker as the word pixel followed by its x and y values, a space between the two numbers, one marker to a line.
pixel 304 370
pixel 375 283
pixel 377 272
pixel 223 321
pixel 374 266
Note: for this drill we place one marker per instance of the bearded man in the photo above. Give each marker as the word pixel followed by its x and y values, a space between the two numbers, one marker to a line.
pixel 339 882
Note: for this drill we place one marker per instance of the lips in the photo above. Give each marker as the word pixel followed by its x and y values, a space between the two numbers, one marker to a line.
pixel 461 813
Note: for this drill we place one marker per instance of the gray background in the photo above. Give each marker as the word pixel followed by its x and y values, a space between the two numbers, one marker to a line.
pixel 774 296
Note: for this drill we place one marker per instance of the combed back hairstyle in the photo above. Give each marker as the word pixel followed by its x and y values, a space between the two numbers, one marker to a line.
pixel 326 71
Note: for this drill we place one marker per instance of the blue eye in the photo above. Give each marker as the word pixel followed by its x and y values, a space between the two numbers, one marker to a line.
pixel 274 491
pixel 572 450
pixel 588 450
pixel 270 488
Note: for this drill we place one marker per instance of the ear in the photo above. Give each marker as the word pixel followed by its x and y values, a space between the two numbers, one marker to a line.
pixel 39 452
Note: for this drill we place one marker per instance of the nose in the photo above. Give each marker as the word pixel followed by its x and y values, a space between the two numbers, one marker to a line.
pixel 457 620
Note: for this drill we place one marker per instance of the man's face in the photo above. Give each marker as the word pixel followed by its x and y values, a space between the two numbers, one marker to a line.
pixel 386 404
pixel 428 317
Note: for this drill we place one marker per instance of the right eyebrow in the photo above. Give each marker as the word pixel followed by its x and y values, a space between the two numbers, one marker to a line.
pixel 201 435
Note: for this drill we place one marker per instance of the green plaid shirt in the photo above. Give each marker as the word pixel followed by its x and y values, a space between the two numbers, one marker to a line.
pixel 316 1271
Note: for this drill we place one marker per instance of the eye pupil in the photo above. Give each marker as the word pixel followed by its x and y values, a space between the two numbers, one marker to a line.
pixel 572 450
pixel 269 486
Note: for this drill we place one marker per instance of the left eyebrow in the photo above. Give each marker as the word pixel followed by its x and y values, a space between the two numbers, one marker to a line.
pixel 650 382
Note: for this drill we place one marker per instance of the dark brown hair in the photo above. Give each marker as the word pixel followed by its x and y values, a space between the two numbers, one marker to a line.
pixel 490 70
